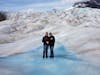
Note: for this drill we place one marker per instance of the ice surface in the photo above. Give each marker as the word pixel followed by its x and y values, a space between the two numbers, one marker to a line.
pixel 77 28
pixel 32 63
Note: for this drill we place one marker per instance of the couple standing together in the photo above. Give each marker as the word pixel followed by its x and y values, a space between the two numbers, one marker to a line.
pixel 48 42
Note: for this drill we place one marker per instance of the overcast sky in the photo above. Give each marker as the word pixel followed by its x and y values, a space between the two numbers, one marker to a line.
pixel 35 4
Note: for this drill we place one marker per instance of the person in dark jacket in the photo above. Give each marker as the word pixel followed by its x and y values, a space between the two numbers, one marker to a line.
pixel 45 41
pixel 51 44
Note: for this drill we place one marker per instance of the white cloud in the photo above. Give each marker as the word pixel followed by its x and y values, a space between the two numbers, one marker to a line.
pixel 72 1
pixel 58 4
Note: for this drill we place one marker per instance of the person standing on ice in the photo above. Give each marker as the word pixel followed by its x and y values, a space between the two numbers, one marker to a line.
pixel 51 44
pixel 45 41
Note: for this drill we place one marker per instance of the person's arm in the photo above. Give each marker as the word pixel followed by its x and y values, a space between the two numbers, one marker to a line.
pixel 54 39
pixel 43 39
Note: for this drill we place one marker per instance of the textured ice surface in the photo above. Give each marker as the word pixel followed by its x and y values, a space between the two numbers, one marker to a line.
pixel 77 28
pixel 32 63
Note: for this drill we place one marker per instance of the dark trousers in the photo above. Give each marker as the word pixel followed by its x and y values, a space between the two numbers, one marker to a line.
pixel 51 51
pixel 45 51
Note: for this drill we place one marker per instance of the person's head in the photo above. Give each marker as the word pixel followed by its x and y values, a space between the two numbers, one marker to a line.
pixel 46 34
pixel 50 34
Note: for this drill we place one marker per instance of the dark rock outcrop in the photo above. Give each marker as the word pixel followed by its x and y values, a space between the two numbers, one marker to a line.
pixel 91 4
pixel 2 16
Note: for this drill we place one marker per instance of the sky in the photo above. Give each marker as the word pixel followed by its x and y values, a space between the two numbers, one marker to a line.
pixel 15 5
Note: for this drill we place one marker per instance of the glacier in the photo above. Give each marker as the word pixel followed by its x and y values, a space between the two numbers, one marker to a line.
pixel 76 28
pixel 31 63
